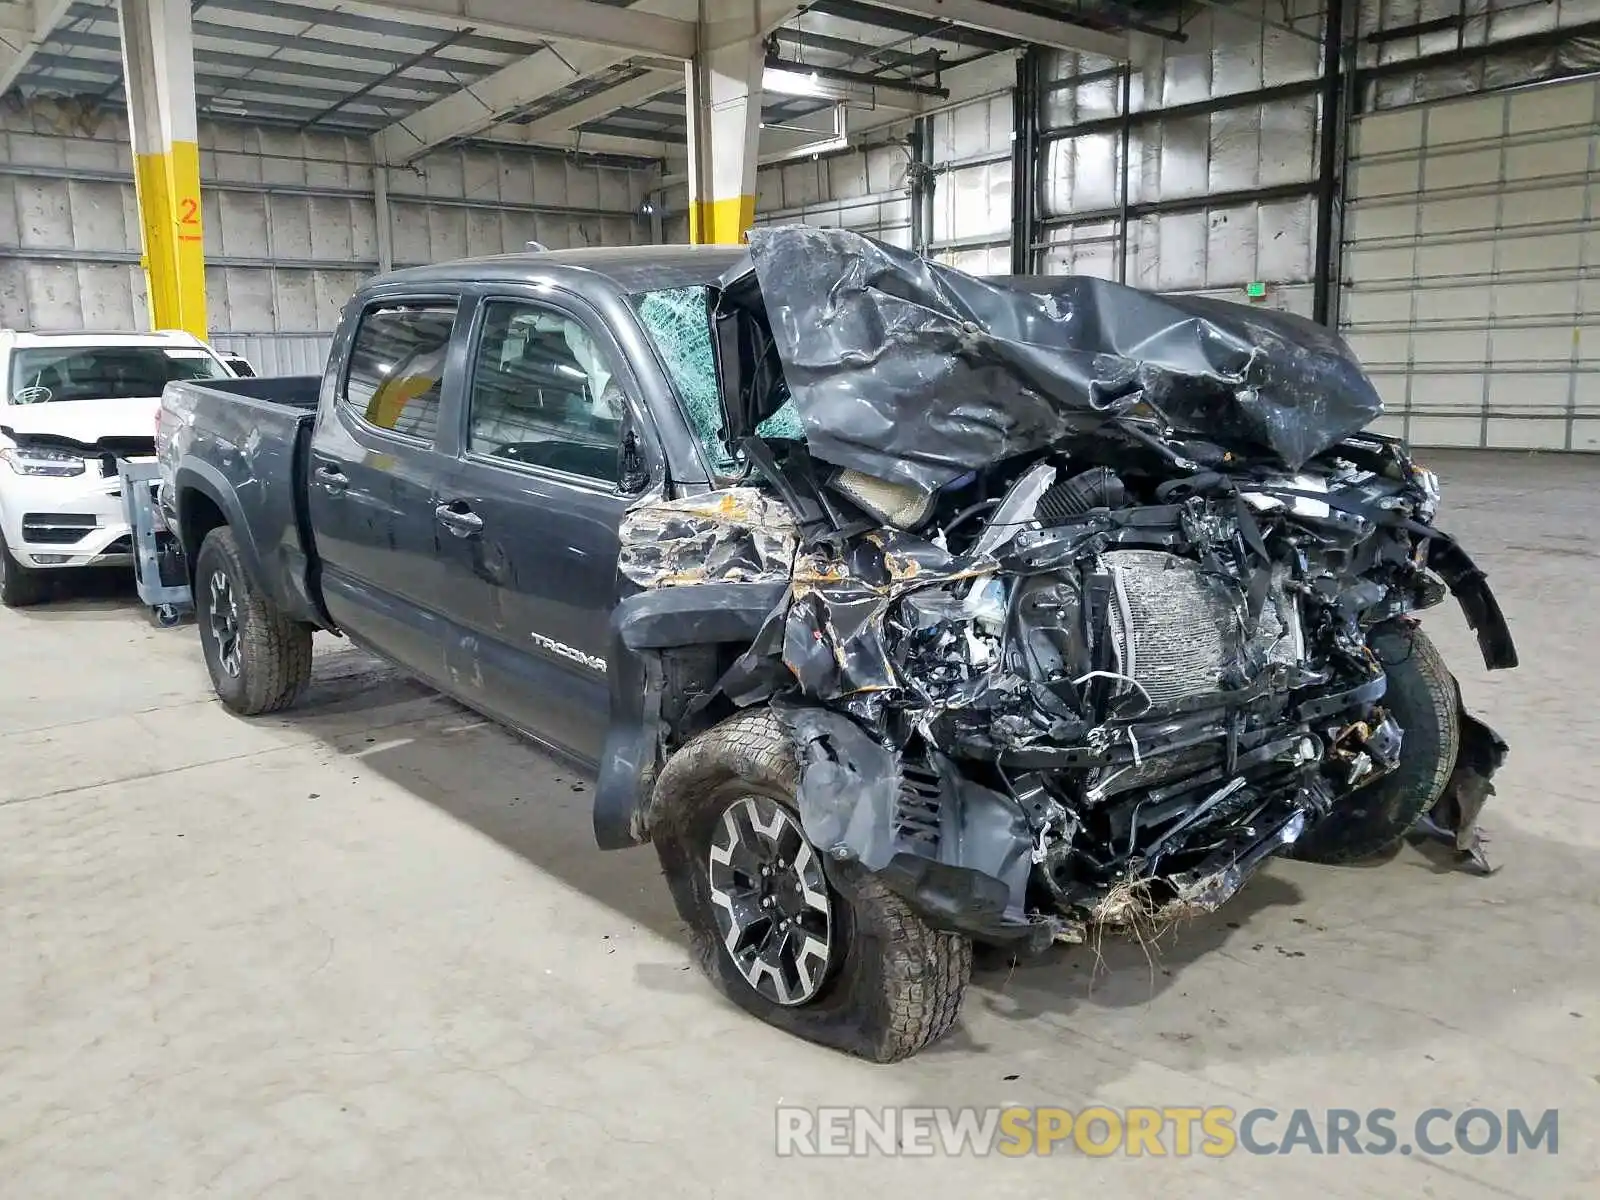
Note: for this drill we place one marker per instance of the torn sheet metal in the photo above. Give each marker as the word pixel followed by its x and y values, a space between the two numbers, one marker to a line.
pixel 1057 671
pixel 1454 817
pixel 740 535
pixel 860 802
pixel 915 372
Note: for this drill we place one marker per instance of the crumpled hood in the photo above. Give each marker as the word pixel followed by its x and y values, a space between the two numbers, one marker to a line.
pixel 918 373
pixel 85 421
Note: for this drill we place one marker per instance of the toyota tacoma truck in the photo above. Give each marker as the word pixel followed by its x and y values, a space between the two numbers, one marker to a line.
pixel 900 609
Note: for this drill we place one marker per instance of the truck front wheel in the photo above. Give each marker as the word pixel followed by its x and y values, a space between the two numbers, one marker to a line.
pixel 825 952
pixel 259 660
pixel 1422 697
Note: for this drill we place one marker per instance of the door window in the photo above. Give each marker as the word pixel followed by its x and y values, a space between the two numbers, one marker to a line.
pixel 543 394
pixel 397 367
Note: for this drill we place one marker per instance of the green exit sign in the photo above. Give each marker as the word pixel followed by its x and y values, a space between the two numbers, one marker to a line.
pixel 1256 290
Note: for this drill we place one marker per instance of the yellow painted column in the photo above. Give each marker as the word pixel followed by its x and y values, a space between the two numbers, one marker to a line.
pixel 724 130
pixel 158 67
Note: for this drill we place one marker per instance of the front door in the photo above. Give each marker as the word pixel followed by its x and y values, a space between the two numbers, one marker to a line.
pixel 532 512
pixel 375 469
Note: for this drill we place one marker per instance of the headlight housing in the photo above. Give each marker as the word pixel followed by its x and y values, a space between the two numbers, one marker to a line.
pixel 1427 485
pixel 35 460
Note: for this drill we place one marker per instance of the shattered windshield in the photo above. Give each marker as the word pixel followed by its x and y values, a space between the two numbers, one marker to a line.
pixel 678 321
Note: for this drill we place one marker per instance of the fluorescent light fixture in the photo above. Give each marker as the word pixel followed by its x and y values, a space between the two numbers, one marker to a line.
pixel 783 81
pixel 793 83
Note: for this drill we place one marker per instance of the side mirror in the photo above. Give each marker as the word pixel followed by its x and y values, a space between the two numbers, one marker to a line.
pixel 634 475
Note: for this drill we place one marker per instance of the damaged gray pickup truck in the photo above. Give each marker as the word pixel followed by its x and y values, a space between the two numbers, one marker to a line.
pixel 989 610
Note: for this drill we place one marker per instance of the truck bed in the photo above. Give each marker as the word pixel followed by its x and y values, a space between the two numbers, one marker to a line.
pixel 273 391
pixel 241 447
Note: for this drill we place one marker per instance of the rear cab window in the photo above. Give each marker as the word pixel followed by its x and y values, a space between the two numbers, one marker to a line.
pixel 395 374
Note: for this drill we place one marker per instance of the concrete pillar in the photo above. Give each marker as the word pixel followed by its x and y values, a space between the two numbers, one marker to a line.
pixel 381 217
pixel 158 67
pixel 724 86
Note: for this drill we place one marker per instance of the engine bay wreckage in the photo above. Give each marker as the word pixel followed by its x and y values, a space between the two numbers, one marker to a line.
pixel 1077 602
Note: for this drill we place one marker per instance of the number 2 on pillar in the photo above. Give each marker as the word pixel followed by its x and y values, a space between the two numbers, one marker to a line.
pixel 189 220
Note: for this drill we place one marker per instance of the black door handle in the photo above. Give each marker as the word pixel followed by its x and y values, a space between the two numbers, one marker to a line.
pixel 462 521
pixel 331 478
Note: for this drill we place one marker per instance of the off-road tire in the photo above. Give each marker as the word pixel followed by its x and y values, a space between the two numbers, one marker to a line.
pixel 20 586
pixel 274 651
pixel 1422 698
pixel 893 985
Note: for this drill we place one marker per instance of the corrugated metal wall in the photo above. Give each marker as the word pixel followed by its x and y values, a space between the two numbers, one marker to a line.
pixel 289 222
pixel 972 186
pixel 1185 232
pixel 1472 260
pixel 863 190
pixel 1213 246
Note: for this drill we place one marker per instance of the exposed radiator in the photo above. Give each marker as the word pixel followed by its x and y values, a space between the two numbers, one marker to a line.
pixel 1176 630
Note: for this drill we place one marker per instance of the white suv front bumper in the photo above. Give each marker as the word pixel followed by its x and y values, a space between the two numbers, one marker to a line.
pixel 78 521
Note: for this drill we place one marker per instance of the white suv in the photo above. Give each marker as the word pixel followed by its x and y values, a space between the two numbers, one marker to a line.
pixel 71 406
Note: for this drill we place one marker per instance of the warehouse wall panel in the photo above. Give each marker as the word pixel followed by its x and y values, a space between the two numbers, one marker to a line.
pixel 1183 232
pixel 864 190
pixel 1482 25
pixel 1469 261
pixel 290 223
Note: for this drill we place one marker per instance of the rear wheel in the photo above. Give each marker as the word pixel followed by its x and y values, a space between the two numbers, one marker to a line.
pixel 823 951
pixel 1422 698
pixel 20 586
pixel 259 660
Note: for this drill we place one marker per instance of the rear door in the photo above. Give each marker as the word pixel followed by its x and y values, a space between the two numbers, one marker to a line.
pixel 532 514
pixel 378 455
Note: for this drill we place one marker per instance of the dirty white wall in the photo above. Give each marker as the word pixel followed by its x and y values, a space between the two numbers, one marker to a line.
pixel 863 189
pixel 1199 167
pixel 1471 283
pixel 972 186
pixel 289 220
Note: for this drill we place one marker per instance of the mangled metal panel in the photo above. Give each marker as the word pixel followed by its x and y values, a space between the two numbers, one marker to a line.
pixel 1118 661
pixel 740 535
pixel 917 373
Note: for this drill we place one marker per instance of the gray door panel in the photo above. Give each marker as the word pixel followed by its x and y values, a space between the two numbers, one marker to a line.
pixel 545 406
pixel 374 485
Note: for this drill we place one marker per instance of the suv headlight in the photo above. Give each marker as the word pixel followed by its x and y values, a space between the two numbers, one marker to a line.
pixel 33 460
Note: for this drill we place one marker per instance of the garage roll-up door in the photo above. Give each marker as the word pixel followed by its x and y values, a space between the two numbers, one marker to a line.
pixel 1472 267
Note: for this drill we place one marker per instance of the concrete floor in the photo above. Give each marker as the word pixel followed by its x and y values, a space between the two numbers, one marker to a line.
pixel 368 948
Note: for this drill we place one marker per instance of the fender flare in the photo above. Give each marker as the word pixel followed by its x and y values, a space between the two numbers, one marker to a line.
pixel 193 475
pixel 642 627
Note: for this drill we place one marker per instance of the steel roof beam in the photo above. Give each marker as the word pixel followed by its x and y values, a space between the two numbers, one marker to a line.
pixel 580 141
pixel 591 108
pixel 341 17
pixel 485 102
pixel 1021 25
pixel 242 69
pixel 922 61
pixel 24 28
pixel 939 28
pixel 583 22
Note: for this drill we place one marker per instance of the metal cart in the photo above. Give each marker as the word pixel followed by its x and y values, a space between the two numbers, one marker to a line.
pixel 159 571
